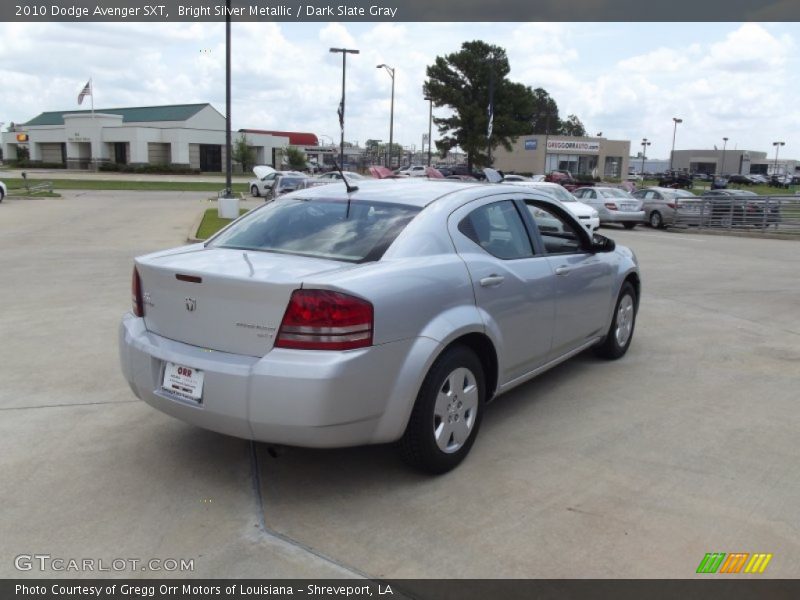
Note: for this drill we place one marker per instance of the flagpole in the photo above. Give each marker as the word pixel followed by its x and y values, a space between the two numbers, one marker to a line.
pixel 91 94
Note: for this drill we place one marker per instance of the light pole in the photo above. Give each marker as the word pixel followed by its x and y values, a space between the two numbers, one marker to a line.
pixel 430 121
pixel 674 131
pixel 724 147
pixel 645 144
pixel 777 147
pixel 390 71
pixel 228 148
pixel 344 52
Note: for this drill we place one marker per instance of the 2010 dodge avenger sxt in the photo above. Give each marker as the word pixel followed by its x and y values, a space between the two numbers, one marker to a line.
pixel 395 311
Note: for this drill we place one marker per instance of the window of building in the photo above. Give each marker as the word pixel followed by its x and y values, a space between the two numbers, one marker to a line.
pixel 613 167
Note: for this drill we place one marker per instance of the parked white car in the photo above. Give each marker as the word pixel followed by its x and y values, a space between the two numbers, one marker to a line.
pixel 588 216
pixel 413 171
pixel 266 177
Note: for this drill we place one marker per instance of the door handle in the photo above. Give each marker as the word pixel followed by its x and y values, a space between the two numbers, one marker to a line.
pixel 563 270
pixel 492 280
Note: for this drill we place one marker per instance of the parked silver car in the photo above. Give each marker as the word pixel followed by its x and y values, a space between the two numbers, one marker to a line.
pixel 613 205
pixel 662 205
pixel 394 312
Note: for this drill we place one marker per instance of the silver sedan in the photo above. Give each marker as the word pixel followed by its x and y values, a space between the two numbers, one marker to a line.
pixel 614 205
pixel 394 312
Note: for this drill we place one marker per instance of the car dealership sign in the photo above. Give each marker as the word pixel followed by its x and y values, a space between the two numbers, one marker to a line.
pixel 572 146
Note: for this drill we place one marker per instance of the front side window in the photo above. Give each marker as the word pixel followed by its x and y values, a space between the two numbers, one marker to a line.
pixel 498 229
pixel 559 235
pixel 356 231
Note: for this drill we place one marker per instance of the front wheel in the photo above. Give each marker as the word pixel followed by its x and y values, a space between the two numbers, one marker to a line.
pixel 619 336
pixel 254 191
pixel 447 414
pixel 629 225
pixel 656 221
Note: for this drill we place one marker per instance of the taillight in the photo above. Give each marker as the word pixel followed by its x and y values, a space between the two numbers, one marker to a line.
pixel 611 206
pixel 136 294
pixel 325 320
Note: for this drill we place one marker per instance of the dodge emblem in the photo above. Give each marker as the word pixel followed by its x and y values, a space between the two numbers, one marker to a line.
pixel 191 304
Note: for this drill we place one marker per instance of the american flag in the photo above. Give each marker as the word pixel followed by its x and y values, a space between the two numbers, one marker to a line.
pixel 340 112
pixel 86 91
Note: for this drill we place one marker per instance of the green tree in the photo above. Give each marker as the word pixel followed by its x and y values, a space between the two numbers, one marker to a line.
pixel 296 158
pixel 572 126
pixel 545 119
pixel 243 153
pixel 461 81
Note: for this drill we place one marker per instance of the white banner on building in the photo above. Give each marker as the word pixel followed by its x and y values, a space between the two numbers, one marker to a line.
pixel 572 146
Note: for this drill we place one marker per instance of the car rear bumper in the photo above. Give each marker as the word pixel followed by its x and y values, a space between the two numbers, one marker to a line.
pixel 292 397
pixel 616 216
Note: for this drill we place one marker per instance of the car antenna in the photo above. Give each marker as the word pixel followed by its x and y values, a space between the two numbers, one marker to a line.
pixel 350 188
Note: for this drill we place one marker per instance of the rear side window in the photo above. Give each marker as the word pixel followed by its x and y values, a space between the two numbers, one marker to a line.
pixel 498 229
pixel 357 231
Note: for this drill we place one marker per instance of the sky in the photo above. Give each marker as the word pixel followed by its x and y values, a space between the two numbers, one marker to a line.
pixel 626 80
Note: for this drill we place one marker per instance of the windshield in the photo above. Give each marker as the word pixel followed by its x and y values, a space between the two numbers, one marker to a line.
pixel 357 231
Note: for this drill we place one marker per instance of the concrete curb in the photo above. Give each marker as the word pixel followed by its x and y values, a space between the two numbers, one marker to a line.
pixel 191 236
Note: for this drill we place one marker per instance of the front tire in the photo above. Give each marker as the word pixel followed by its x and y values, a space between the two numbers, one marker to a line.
pixel 447 414
pixel 656 220
pixel 619 336
pixel 254 191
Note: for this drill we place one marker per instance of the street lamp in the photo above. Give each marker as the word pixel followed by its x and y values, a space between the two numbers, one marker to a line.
pixel 344 52
pixel 674 131
pixel 777 147
pixel 724 146
pixel 430 121
pixel 645 144
pixel 390 71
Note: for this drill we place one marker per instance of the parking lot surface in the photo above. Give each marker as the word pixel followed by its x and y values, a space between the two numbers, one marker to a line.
pixel 633 468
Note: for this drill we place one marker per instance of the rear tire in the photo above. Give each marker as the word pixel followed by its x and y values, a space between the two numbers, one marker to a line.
pixel 619 336
pixel 447 414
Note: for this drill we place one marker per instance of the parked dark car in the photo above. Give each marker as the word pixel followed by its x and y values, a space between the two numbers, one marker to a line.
pixel 740 179
pixel 676 180
pixel 719 183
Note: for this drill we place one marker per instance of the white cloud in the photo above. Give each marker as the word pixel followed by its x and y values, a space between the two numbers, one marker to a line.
pixel 627 80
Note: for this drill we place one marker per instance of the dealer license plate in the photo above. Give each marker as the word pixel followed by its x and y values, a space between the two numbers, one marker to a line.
pixel 184 381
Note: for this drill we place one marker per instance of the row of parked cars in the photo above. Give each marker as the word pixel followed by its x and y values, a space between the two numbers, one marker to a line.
pixel 595 205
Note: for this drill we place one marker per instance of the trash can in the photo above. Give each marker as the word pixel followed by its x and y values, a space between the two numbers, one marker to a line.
pixel 228 208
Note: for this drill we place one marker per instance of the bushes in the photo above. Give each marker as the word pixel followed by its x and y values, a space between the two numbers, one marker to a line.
pixel 155 169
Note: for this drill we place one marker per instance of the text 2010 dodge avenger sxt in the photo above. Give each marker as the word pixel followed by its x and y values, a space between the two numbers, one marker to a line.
pixel 393 312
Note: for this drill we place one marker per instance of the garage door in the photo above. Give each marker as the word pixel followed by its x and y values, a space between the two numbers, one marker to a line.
pixel 158 154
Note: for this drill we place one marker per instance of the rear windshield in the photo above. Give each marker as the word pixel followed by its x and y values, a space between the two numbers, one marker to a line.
pixel 358 231
pixel 559 192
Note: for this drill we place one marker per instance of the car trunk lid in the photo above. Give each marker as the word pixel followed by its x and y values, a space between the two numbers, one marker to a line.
pixel 223 299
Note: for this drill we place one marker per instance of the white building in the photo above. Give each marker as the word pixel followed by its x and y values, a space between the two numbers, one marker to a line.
pixel 182 135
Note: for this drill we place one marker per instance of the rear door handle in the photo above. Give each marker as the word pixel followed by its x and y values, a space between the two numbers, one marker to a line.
pixel 492 280
pixel 563 270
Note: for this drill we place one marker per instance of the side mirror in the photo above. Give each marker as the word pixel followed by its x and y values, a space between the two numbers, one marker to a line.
pixel 601 243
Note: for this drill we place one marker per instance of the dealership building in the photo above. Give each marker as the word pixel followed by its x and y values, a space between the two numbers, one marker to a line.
pixel 541 154
pixel 181 135
pixel 729 162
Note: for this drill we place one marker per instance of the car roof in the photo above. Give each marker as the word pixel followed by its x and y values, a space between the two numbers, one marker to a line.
pixel 409 191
